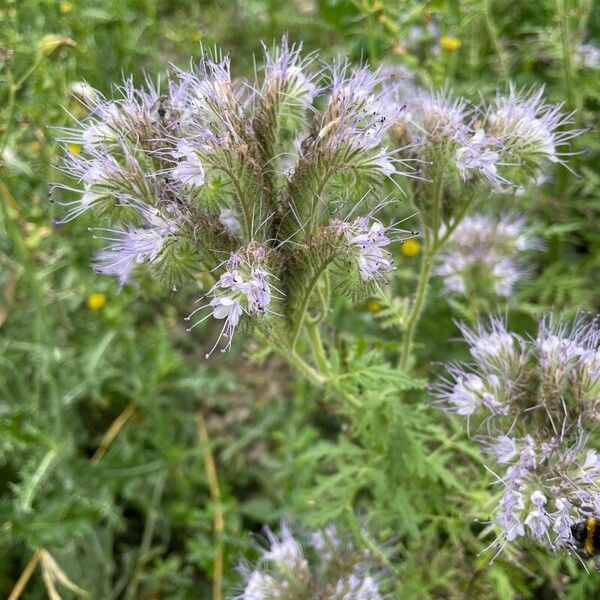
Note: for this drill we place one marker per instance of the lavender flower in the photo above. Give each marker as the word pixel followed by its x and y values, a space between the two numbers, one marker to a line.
pixel 355 587
pixel 134 245
pixel 588 55
pixel 486 254
pixel 529 129
pixel 189 170
pixel 367 239
pixel 287 74
pixel 543 397
pixel 437 118
pixel 338 570
pixel 478 155
pixel 358 113
pixel 244 288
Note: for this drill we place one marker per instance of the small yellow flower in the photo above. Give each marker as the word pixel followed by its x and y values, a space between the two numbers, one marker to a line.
pixel 450 43
pixel 96 301
pixel 74 149
pixel 65 7
pixel 374 306
pixel 411 248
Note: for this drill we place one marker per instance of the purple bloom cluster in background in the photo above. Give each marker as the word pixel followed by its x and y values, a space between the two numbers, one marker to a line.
pixel 506 143
pixel 197 178
pixel 485 255
pixel 329 569
pixel 533 403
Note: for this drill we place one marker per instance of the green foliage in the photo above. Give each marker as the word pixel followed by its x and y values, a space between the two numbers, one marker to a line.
pixel 366 448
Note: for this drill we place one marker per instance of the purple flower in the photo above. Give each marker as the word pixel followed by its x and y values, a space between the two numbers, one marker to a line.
pixel 134 245
pixel 286 73
pixel 368 241
pixel 285 551
pixel 478 155
pixel 189 169
pixel 261 586
pixel 542 398
pixel 466 396
pixel 244 288
pixel 357 115
pixel 357 587
pixel 529 128
pixel 436 118
pixel 538 520
pixel 485 251
pixel 505 449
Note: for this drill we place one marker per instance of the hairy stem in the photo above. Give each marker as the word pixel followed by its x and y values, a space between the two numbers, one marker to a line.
pixel 491 27
pixel 417 306
pixel 566 49
pixel 433 244
pixel 296 361
pixel 316 344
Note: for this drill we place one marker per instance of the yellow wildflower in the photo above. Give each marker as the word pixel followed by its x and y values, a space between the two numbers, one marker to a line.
pixel 96 301
pixel 450 43
pixel 411 248
pixel 374 306
pixel 65 7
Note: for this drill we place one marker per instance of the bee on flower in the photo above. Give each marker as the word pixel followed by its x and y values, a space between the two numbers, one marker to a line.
pixel 534 401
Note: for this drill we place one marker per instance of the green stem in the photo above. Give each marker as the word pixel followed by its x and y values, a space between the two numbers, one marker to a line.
pixel 566 49
pixel 436 209
pixel 301 317
pixel 433 245
pixel 296 361
pixel 489 23
pixel 417 306
pixel 147 536
pixel 316 344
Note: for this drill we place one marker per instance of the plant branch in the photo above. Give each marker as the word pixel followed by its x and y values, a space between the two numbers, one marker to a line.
pixel 26 575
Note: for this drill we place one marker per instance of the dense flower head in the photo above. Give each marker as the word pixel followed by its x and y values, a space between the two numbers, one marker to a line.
pixel 437 118
pixel 485 255
pixel 213 166
pixel 529 130
pixel 358 113
pixel 288 73
pixel 244 288
pixel 535 400
pixel 326 567
pixel 505 143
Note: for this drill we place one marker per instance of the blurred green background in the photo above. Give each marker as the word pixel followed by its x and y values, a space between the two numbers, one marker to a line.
pixel 105 400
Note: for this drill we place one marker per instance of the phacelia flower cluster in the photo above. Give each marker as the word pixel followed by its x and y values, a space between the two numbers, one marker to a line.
pixel 190 180
pixel 485 256
pixel 533 403
pixel 326 568
pixel 244 288
pixel 508 142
